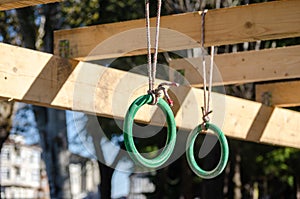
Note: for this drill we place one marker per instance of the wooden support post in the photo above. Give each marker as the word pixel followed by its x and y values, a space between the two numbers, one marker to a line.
pixel 12 4
pixel 244 67
pixel 263 21
pixel 282 94
pixel 52 81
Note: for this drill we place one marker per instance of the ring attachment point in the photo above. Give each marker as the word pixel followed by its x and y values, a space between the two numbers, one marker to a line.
pixel 156 93
pixel 155 97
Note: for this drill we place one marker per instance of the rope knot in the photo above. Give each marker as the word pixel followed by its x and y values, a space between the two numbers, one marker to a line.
pixel 205 117
pixel 156 93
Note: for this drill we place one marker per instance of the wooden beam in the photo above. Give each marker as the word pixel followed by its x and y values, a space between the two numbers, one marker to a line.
pixel 12 4
pixel 263 21
pixel 282 94
pixel 51 81
pixel 244 67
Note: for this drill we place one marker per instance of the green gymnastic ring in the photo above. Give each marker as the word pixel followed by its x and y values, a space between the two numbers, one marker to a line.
pixel 224 152
pixel 128 136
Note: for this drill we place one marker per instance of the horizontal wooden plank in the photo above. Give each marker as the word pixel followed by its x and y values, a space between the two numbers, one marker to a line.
pixel 127 38
pixel 244 67
pixel 282 94
pixel 51 81
pixel 12 4
pixel 263 21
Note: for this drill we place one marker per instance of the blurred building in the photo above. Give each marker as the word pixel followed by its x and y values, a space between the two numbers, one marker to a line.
pixel 140 184
pixel 23 172
pixel 84 177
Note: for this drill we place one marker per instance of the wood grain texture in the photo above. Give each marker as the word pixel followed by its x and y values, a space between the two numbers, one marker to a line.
pixel 12 4
pixel 282 94
pixel 263 21
pixel 244 67
pixel 48 80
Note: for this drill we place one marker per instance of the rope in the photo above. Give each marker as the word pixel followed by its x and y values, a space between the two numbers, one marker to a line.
pixel 212 53
pixel 206 87
pixel 148 44
pixel 152 66
pixel 156 40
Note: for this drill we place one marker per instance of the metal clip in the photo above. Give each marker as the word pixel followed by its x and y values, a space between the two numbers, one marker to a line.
pixel 156 93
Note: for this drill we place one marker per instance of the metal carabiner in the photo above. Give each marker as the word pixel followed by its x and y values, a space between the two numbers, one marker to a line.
pixel 156 93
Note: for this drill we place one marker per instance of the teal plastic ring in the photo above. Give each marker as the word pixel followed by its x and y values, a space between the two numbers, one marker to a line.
pixel 128 136
pixel 224 152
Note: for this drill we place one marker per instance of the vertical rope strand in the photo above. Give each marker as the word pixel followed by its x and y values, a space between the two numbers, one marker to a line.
pixel 204 62
pixel 152 66
pixel 147 13
pixel 156 40
pixel 204 81
pixel 212 54
pixel 207 88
